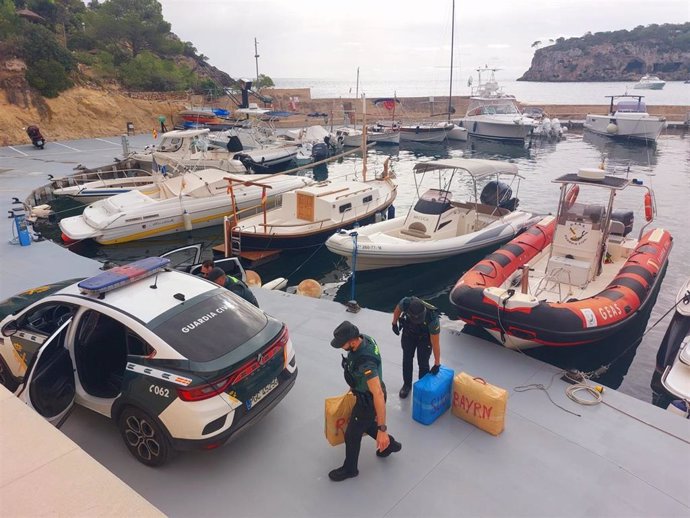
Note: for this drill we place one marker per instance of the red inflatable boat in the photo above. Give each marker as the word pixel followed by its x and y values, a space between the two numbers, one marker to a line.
pixel 570 279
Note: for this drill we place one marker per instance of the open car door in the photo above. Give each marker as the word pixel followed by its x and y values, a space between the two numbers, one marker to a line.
pixel 184 258
pixel 49 386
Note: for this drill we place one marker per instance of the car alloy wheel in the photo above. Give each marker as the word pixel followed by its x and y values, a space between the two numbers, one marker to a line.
pixel 143 437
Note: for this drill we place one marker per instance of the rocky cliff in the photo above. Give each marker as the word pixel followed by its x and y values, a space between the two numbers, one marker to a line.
pixel 616 56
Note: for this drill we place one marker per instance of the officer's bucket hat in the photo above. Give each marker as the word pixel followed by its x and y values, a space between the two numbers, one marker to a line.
pixel 343 333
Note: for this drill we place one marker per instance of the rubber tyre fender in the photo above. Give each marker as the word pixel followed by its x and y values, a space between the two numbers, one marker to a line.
pixel 143 436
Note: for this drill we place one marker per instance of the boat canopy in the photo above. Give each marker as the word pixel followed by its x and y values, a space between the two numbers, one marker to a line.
pixel 475 167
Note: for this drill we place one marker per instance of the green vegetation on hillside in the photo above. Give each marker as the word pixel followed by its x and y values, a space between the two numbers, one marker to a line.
pixel 666 37
pixel 127 41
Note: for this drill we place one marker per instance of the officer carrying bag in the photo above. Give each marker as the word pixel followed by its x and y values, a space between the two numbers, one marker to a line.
pixel 337 414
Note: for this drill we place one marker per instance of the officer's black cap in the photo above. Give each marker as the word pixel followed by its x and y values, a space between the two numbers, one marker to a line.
pixel 215 273
pixel 343 333
pixel 416 311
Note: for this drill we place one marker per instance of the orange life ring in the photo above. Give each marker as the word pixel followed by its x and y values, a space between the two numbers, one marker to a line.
pixel 648 206
pixel 571 196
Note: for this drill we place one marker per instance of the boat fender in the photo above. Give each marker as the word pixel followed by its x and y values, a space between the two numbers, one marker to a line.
pixel 612 128
pixel 571 196
pixel 309 288
pixel 253 278
pixel 391 212
pixel 187 220
pixel 648 206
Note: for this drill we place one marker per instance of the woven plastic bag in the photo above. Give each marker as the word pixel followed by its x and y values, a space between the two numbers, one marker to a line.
pixel 337 416
pixel 479 403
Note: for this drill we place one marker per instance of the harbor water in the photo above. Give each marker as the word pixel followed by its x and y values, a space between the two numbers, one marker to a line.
pixel 666 166
pixel 673 93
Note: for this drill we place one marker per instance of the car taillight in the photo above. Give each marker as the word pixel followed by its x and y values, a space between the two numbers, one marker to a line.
pixel 214 388
pixel 202 392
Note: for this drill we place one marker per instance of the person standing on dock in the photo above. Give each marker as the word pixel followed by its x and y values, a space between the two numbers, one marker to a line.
pixel 364 374
pixel 161 120
pixel 420 333
pixel 235 285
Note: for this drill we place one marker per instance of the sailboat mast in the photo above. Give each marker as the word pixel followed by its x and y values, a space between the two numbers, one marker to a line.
pixel 452 44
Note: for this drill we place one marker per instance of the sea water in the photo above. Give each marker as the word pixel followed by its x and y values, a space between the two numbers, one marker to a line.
pixel 673 93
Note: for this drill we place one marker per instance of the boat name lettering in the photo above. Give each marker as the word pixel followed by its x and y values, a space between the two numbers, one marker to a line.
pixel 470 406
pixel 368 247
pixel 610 311
pixel 203 319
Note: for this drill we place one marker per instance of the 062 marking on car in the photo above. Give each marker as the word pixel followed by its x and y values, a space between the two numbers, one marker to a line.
pixel 261 394
pixel 155 373
pixel 159 391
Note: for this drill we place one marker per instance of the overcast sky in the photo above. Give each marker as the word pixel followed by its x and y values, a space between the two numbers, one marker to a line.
pixel 395 39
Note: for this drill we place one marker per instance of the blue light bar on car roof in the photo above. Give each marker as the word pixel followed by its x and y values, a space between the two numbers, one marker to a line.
pixel 123 275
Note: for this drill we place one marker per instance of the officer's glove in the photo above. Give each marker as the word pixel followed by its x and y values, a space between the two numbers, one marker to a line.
pixel 434 370
pixel 396 329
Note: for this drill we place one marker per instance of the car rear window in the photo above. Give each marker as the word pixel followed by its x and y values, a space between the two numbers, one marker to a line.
pixel 210 327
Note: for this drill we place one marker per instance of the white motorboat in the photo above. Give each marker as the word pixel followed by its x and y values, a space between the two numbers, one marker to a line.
pixel 438 227
pixel 492 114
pixel 425 131
pixel 382 134
pixel 671 380
pixel 195 199
pixel 308 215
pixel 649 82
pixel 348 136
pixel 191 149
pixel 627 119
pixel 87 187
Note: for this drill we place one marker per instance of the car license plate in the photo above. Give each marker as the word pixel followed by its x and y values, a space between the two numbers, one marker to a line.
pixel 261 394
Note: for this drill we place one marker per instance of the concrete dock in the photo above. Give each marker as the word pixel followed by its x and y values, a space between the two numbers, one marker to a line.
pixel 622 457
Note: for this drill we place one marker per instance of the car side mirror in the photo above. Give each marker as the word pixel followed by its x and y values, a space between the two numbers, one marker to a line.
pixel 10 328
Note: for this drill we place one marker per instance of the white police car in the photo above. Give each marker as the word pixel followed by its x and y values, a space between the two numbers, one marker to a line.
pixel 176 361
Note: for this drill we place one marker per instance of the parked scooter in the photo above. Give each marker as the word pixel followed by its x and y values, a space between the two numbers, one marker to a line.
pixel 35 135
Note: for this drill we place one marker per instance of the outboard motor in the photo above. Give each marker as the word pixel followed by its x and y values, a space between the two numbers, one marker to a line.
pixel 35 135
pixel 498 194
pixel 626 217
pixel 320 151
pixel 234 144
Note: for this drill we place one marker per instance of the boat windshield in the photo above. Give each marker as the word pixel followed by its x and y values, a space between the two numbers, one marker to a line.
pixel 493 107
pixel 170 144
pixel 433 201
pixel 631 107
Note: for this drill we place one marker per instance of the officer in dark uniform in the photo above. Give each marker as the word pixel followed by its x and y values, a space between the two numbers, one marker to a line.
pixel 235 285
pixel 420 333
pixel 363 372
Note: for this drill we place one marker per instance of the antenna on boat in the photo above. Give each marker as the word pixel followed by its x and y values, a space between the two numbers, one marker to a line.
pixel 364 137
pixel 452 41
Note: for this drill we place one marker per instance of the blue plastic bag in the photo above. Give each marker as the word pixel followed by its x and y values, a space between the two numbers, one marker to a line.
pixel 431 395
